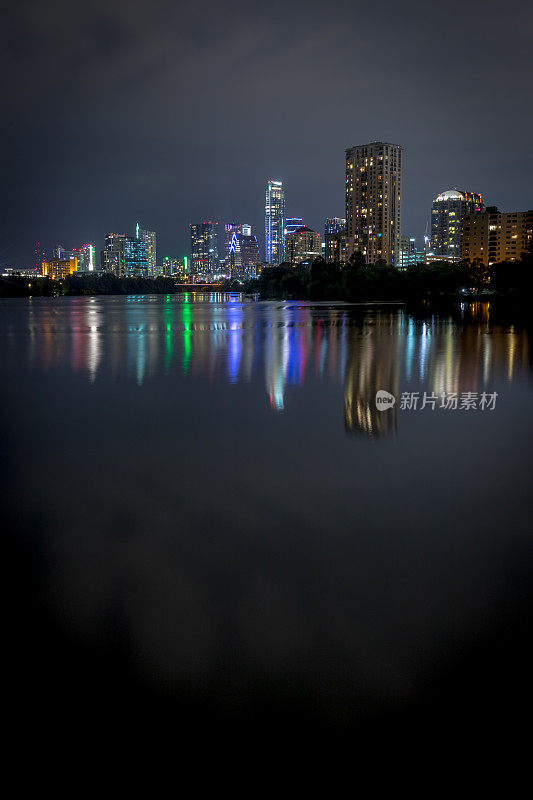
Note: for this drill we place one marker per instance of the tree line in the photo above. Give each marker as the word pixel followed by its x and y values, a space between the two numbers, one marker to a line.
pixel 84 284
pixel 355 280
pixel 352 281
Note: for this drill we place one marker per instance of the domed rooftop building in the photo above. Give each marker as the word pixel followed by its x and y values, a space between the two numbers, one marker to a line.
pixel 451 194
pixel 447 212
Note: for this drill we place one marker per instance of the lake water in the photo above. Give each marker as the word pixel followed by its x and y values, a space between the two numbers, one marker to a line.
pixel 204 503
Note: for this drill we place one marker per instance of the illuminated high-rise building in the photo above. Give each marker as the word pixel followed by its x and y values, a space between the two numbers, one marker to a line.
pixel 150 247
pixel 303 246
pixel 274 223
pixel 59 268
pixel 409 255
pixel 491 236
pixel 84 255
pixel 243 253
pixel 292 224
pixel 335 239
pixel 373 201
pixel 112 257
pixel 89 257
pixel 204 248
pixel 229 229
pixel 135 263
pixel 447 211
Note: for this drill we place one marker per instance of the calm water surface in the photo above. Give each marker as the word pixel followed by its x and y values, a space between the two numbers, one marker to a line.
pixel 202 498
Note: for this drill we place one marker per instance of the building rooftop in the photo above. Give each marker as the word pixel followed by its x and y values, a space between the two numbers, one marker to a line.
pixel 303 229
pixel 450 194
pixel 371 144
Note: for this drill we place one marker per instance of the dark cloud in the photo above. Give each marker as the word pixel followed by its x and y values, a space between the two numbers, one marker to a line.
pixel 168 112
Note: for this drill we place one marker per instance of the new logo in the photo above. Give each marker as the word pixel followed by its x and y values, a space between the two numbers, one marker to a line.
pixel 384 400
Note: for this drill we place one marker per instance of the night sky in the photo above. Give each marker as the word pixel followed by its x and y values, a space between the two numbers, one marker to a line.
pixel 170 112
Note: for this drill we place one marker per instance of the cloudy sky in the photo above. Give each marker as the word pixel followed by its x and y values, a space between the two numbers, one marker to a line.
pixel 170 112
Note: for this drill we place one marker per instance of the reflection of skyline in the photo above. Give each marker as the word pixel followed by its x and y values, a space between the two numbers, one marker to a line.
pixel 372 365
pixel 287 348
pixel 227 340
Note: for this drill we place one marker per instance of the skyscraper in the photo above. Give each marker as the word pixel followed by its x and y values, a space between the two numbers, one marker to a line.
pixel 243 253
pixel 113 254
pixel 447 211
pixel 204 248
pixel 89 260
pixel 373 201
pixel 150 246
pixel 229 229
pixel 135 263
pixel 335 239
pixel 303 246
pixel 274 222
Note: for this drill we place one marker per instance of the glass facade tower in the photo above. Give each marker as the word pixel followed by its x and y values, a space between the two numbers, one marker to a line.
pixel 204 248
pixel 135 257
pixel 150 246
pixel 334 238
pixel 274 223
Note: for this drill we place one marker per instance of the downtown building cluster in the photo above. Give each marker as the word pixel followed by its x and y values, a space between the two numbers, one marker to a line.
pixel 123 255
pixel 460 227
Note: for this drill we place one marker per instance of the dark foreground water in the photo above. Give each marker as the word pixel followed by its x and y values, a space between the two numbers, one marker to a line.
pixel 204 508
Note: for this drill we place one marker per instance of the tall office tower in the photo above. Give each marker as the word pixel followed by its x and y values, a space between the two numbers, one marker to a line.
pixel 243 253
pixel 89 259
pixel 447 211
pixel 135 263
pixel 204 248
pixel 150 247
pixel 274 223
pixel 303 246
pixel 229 229
pixel 491 236
pixel 373 201
pixel 335 239
pixel 113 254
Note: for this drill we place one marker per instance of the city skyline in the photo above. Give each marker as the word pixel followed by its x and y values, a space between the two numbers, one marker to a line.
pixel 267 361
pixel 455 202
pixel 180 163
